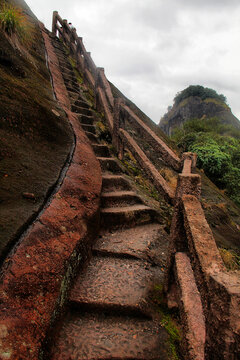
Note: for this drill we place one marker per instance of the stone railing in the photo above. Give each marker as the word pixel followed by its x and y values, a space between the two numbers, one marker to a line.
pixel 83 58
pixel 197 281
pixel 115 111
pixel 207 295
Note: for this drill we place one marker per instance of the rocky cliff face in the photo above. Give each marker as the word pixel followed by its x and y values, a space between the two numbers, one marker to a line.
pixel 35 137
pixel 194 107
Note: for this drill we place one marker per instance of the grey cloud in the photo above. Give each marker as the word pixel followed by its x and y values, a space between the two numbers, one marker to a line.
pixel 210 4
pixel 153 49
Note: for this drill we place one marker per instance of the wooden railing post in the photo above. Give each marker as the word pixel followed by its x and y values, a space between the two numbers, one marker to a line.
pixel 54 22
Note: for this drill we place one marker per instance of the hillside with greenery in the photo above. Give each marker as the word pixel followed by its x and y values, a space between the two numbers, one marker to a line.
pixel 199 91
pixel 197 102
pixel 218 148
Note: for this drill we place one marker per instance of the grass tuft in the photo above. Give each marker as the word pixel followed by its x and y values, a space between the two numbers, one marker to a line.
pixel 230 259
pixel 13 21
pixel 168 321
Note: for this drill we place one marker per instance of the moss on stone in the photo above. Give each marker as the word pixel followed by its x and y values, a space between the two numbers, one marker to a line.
pixel 169 320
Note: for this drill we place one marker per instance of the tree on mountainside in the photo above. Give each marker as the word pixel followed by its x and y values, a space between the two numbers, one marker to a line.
pixel 200 91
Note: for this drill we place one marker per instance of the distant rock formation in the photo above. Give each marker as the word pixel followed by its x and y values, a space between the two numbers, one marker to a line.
pixel 194 107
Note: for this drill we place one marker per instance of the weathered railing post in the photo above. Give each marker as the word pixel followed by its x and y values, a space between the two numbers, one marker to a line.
pixel 54 22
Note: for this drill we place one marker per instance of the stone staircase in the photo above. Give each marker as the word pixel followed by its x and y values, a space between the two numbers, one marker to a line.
pixel 110 312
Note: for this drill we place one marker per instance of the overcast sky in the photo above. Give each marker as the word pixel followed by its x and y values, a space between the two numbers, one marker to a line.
pixel 151 49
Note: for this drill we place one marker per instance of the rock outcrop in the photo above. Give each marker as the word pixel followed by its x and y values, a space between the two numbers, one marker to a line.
pixel 194 107
pixel 35 136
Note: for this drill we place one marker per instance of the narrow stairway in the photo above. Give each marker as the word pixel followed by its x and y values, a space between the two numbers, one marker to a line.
pixel 110 313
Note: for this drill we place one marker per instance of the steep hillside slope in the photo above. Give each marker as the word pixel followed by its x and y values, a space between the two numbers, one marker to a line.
pixel 35 137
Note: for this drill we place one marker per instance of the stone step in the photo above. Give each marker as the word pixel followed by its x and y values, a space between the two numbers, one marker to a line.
pixel 101 337
pixel 101 150
pixel 109 164
pixel 73 96
pixel 119 199
pixel 67 77
pixel 113 284
pixel 129 216
pixel 81 104
pixel 61 56
pixel 93 139
pixel 81 110
pixel 148 242
pixel 72 82
pixel 89 128
pixel 65 64
pixel 58 49
pixel 115 182
pixel 86 120
pixel 67 72
pixel 72 89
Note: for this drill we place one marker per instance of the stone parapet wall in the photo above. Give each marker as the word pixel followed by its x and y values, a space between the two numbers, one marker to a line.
pixel 158 181
pixel 219 289
pixel 170 158
pixel 190 305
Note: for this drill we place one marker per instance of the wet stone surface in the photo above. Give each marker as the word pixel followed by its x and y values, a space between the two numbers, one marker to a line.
pixel 111 282
pixel 148 242
pixel 91 337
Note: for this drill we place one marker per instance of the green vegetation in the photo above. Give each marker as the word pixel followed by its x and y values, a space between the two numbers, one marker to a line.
pixel 103 133
pixel 168 321
pixel 218 148
pixel 230 258
pixel 12 19
pixel 134 170
pixel 200 91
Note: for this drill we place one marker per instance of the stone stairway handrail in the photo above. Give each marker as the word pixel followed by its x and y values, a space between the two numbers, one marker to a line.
pixel 158 181
pixel 167 154
pixel 218 290
pixel 76 46
pixel 102 81
pixel 104 106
